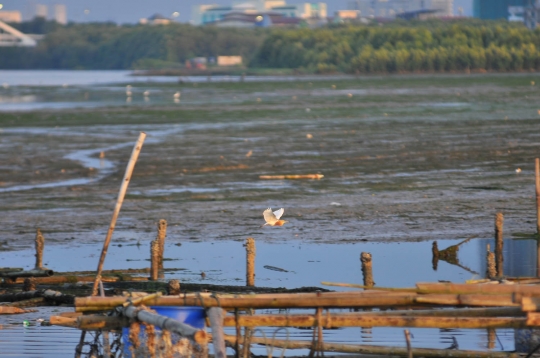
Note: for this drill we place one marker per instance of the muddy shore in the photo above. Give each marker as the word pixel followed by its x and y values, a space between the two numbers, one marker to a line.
pixel 403 159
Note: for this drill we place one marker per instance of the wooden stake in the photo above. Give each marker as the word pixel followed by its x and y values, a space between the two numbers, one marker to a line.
pixel 123 188
pixel 367 269
pixel 491 268
pixel 162 233
pixel 40 244
pixel 499 219
pixel 250 261
pixel 154 260
pixel 173 287
pixel 537 181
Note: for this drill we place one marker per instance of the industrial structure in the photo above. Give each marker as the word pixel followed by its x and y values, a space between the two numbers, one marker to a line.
pixel 11 37
pixel 257 13
pixel 399 8
pixel 526 11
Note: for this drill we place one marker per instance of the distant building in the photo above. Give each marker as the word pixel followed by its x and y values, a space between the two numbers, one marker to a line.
pixel 60 14
pixel 156 19
pixel 243 14
pixel 347 14
pixel 229 60
pixel 496 9
pixel 41 11
pixel 10 16
pixel 392 8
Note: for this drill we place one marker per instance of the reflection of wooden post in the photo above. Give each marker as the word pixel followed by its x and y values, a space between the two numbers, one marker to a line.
pixel 408 340
pixel 537 177
pixel 491 337
pixel 250 262
pixel 367 270
pixel 435 255
pixel 499 219
pixel 123 188
pixel 162 232
pixel 154 260
pixel 215 316
pixel 40 244
pixel 491 271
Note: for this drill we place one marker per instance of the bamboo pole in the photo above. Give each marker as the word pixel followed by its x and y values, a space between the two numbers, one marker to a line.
pixel 250 261
pixel 358 320
pixel 299 300
pixel 215 315
pixel 537 186
pixel 367 269
pixel 40 244
pixel 123 188
pixel 376 350
pixel 494 289
pixel 163 322
pixel 30 273
pixel 491 271
pixel 507 300
pixel 378 288
pixel 54 280
pixel 499 243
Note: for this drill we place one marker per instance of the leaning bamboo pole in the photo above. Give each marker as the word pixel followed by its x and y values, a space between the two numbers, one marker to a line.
pixel 119 201
pixel 335 320
pixel 378 350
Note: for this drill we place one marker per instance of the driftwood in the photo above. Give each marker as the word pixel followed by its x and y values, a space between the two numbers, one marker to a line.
pixel 378 350
pixel 11 310
pixel 167 323
pixel 292 176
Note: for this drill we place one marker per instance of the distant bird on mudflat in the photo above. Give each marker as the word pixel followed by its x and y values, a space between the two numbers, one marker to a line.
pixel 272 218
pixel 177 95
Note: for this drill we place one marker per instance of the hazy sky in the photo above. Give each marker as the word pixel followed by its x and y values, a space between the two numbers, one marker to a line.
pixel 130 11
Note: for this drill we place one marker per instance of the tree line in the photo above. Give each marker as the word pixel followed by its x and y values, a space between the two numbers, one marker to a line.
pixel 432 46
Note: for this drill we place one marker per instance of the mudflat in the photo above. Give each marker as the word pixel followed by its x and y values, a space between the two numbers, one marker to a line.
pixel 403 157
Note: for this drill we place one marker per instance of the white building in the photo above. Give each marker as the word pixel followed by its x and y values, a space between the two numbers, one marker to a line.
pixel 206 14
pixel 60 14
pixel 41 11
pixel 391 8
pixel 10 16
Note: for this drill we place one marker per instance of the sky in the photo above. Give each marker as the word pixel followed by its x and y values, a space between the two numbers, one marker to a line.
pixel 130 11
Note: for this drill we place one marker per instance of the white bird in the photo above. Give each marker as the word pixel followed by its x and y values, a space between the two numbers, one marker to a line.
pixel 177 95
pixel 129 93
pixel 272 218
pixel 146 93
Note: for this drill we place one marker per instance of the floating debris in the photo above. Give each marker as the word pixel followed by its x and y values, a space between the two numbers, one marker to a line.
pixel 273 268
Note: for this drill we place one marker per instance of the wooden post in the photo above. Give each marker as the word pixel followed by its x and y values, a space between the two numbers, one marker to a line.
pixel 154 260
pixel 491 271
pixel 408 340
pixel 250 261
pixel 499 219
pixel 40 244
pixel 537 180
pixel 215 316
pixel 162 232
pixel 173 288
pixel 123 188
pixel 367 270
pixel 435 255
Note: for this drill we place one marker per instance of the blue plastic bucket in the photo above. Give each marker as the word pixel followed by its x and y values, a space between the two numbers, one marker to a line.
pixel 193 316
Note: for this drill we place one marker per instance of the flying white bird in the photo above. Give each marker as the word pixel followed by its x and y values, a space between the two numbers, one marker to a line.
pixel 272 218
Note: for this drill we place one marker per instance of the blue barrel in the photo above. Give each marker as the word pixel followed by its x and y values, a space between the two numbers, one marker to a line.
pixel 193 316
